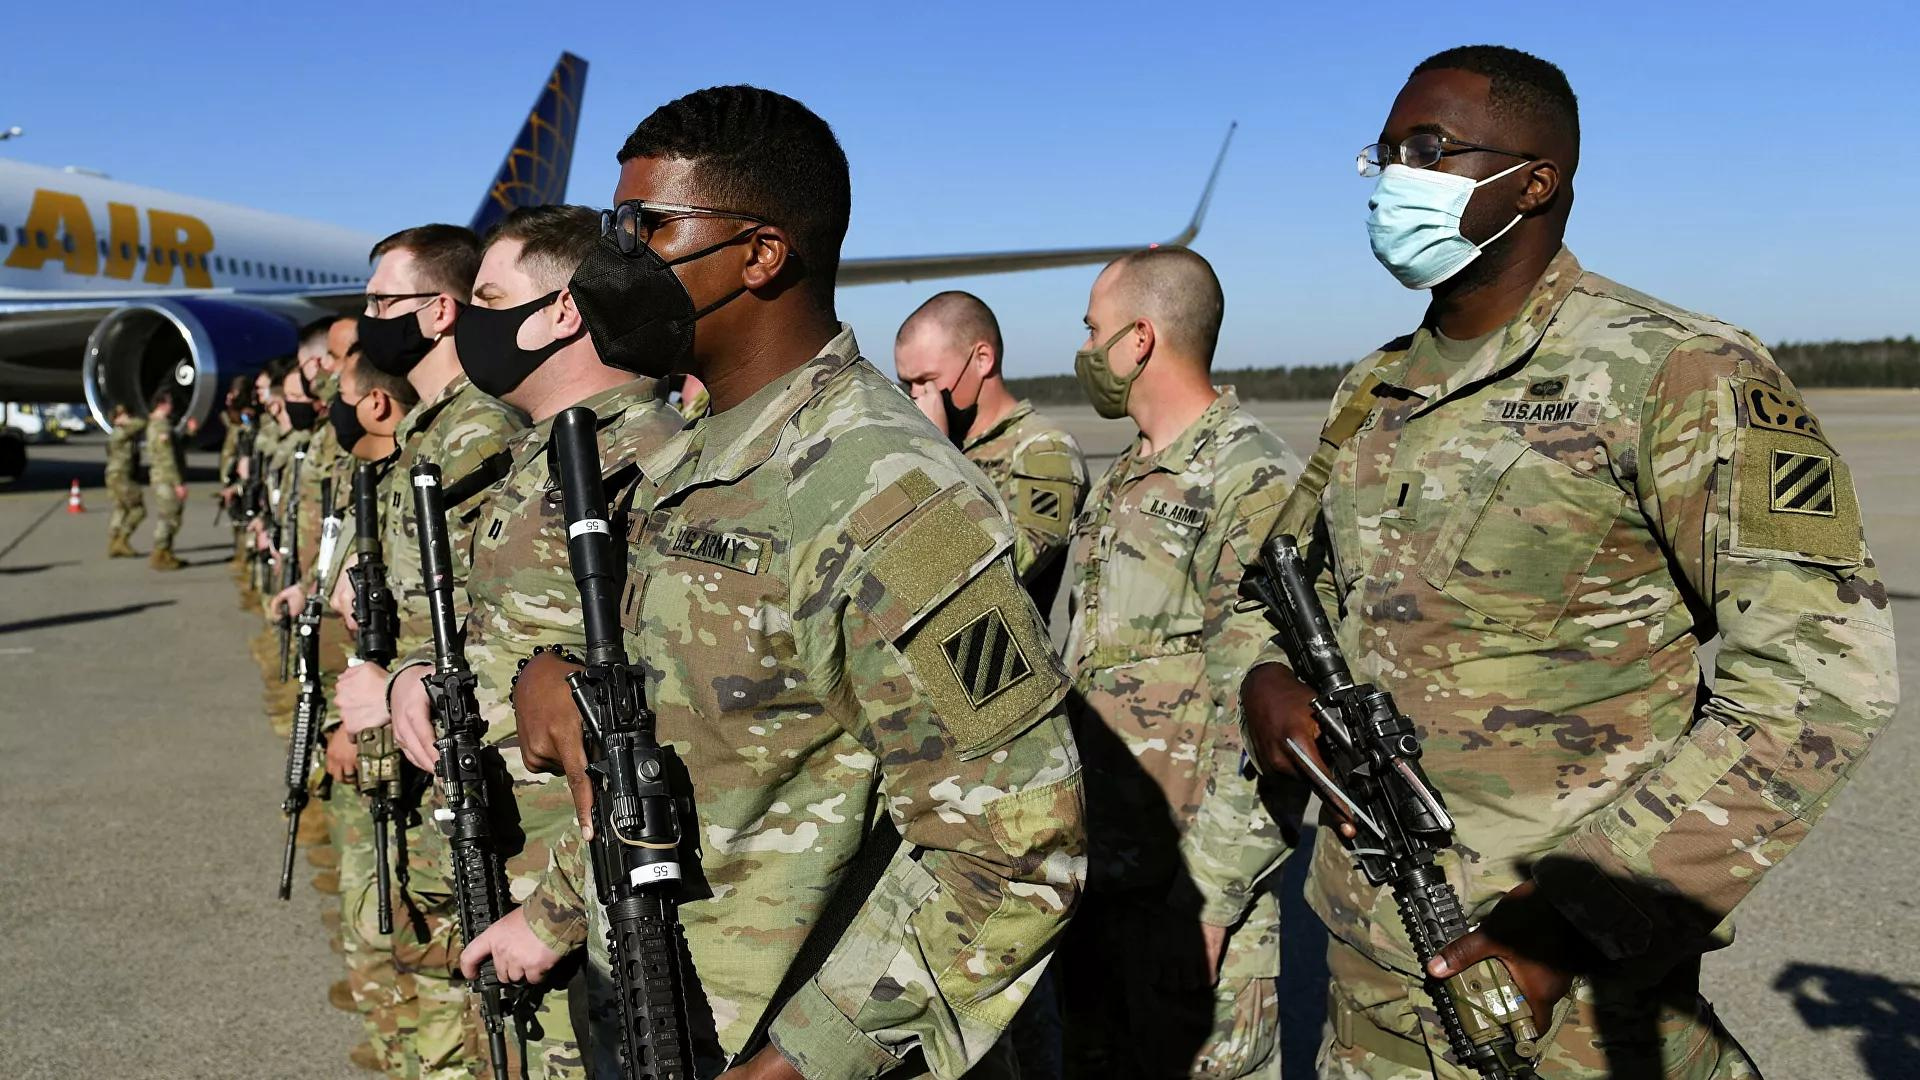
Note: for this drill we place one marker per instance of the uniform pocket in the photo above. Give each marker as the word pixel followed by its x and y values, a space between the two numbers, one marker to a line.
pixel 1520 537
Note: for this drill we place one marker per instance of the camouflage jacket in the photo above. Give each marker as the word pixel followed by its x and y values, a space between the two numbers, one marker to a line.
pixel 831 629
pixel 1161 638
pixel 166 458
pixel 325 461
pixel 1042 477
pixel 465 432
pixel 230 448
pixel 1527 551
pixel 124 447
pixel 280 469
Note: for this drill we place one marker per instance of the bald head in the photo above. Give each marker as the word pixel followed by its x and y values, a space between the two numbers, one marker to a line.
pixel 1173 288
pixel 962 319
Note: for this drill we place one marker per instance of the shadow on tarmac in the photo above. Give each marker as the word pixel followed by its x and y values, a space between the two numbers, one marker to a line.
pixel 72 617
pixel 1886 1013
pixel 10 571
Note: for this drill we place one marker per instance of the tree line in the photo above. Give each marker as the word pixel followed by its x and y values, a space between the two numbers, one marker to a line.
pixel 1888 362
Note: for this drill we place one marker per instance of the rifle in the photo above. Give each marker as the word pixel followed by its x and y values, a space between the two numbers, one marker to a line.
pixel 312 707
pixel 1374 753
pixel 289 554
pixel 253 498
pixel 380 774
pixel 479 878
pixel 636 809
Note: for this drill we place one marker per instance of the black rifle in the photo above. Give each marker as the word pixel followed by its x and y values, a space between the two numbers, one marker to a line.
pixel 1373 751
pixel 380 772
pixel 253 497
pixel 289 555
pixel 636 811
pixel 479 879
pixel 307 717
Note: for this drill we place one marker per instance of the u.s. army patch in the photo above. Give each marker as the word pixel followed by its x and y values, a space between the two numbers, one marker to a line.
pixel 1528 411
pixel 1175 512
pixel 1802 483
pixel 735 552
pixel 985 658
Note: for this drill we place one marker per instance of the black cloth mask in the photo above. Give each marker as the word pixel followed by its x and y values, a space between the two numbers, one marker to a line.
pixel 301 414
pixel 393 346
pixel 346 423
pixel 640 316
pixel 490 353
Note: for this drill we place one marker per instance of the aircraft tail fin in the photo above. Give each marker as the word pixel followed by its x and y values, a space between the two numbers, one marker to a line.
pixel 535 171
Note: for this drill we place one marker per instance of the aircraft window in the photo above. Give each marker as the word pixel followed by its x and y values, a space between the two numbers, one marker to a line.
pixel 173 257
pixel 142 250
pixel 40 238
pixel 67 243
pixel 3 234
pixel 126 251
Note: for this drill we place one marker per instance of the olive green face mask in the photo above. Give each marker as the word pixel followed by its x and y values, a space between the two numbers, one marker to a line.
pixel 1108 392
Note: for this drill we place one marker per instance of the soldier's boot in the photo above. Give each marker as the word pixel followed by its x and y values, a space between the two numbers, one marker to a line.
pixel 118 548
pixel 162 559
pixel 328 882
pixel 340 996
pixel 365 1057
pixel 325 857
pixel 313 826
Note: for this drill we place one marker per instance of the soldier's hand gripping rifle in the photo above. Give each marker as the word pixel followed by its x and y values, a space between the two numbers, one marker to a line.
pixel 636 817
pixel 311 709
pixel 380 771
pixel 1373 752
pixel 479 881
pixel 289 555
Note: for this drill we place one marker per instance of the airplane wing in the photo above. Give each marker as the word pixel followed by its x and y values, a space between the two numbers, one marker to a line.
pixel 918 267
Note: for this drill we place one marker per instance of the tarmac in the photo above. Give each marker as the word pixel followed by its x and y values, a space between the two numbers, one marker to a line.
pixel 140 830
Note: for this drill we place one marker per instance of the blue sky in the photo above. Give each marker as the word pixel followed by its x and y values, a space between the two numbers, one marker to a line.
pixel 1759 161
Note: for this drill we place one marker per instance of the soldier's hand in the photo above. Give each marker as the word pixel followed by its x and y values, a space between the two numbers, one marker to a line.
pixel 518 956
pixel 180 492
pixel 287 601
pixel 1214 940
pixel 549 723
pixel 768 1064
pixel 1279 718
pixel 1542 950
pixel 343 760
pixel 413 717
pixel 360 697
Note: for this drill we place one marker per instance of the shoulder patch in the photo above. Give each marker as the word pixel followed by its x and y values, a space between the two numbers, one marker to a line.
pixel 1768 407
pixel 984 662
pixel 1046 459
pixel 1793 498
pixel 1046 505
pixel 895 501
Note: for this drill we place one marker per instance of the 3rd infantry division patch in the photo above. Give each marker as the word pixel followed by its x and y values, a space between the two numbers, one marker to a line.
pixel 1802 483
pixel 985 657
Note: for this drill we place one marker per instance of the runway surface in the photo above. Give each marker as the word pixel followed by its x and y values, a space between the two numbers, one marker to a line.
pixel 140 829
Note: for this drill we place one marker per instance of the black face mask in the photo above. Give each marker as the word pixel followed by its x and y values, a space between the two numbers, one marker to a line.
pixel 489 352
pixel 639 314
pixel 301 414
pixel 346 423
pixel 393 346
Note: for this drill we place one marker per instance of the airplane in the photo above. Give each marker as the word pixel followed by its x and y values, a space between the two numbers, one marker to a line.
pixel 110 291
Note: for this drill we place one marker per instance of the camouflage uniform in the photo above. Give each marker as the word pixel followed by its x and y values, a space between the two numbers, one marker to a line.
pixel 1527 549
pixel 466 433
pixel 522 594
pixel 129 504
pixel 1160 640
pixel 823 604
pixel 1041 475
pixel 166 467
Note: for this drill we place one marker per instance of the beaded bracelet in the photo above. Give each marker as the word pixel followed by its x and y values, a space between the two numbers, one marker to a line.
pixel 557 650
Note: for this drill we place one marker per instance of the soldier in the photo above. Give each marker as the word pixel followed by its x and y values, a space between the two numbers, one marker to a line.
pixel 1159 642
pixel 234 414
pixel 166 465
pixel 422 281
pixel 830 607
pixel 1537 507
pixel 124 444
pixel 953 342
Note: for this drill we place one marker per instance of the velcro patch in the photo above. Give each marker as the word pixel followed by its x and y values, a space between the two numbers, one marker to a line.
pixel 1175 512
pixel 1802 483
pixel 1777 410
pixel 923 563
pixel 1524 411
pixel 730 550
pixel 983 661
pixel 895 501
pixel 1051 463
pixel 1793 498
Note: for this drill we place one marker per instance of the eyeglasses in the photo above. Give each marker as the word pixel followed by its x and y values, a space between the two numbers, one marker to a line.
pixel 633 223
pixel 377 301
pixel 1422 151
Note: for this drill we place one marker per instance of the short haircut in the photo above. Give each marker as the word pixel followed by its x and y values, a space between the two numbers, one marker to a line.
pixel 1524 88
pixel 965 317
pixel 315 332
pixel 276 371
pixel 447 257
pixel 369 378
pixel 553 240
pixel 1175 289
pixel 760 153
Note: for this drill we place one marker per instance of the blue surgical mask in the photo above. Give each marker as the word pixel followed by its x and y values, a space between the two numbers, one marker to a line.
pixel 1414 223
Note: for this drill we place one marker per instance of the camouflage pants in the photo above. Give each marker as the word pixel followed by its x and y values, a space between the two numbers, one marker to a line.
pixel 544 811
pixel 1136 999
pixel 371 975
pixel 1381 1026
pixel 167 508
pixel 129 507
pixel 447 1040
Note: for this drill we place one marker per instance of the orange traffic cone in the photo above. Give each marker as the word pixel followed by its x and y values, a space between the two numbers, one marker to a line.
pixel 73 499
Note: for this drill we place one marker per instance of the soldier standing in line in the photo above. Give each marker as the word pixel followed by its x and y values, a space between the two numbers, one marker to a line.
pixel 166 465
pixel 124 483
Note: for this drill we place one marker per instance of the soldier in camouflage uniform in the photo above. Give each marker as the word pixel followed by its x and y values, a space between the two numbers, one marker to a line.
pixel 1159 642
pixel 824 604
pixel 952 342
pixel 166 471
pixel 423 277
pixel 521 585
pixel 124 444
pixel 1538 507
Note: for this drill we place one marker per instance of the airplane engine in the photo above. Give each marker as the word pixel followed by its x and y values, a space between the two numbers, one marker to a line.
pixel 192 344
